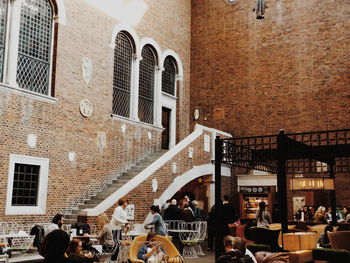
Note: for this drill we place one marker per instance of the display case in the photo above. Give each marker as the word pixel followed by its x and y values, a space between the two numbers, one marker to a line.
pixel 251 196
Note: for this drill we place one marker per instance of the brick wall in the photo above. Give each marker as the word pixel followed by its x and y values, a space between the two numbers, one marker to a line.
pixel 142 196
pixel 289 70
pixel 59 126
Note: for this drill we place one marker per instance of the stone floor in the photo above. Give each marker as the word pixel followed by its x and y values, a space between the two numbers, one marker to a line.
pixel 208 258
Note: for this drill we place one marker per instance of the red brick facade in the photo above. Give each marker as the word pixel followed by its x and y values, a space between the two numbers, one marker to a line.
pixel 59 126
pixel 288 71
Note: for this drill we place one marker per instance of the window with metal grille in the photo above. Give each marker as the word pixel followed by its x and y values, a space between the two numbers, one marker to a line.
pixel 3 18
pixel 25 185
pixel 146 85
pixel 34 48
pixel 168 76
pixel 122 75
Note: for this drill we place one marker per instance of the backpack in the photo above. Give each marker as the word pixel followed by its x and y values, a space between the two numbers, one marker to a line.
pixel 38 231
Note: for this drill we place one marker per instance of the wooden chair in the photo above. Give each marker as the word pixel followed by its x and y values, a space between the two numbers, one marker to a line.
pixel 167 245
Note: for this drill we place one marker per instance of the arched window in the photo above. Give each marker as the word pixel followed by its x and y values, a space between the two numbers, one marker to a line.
pixel 168 76
pixel 3 20
pixel 146 84
pixel 122 75
pixel 34 47
pixel 28 47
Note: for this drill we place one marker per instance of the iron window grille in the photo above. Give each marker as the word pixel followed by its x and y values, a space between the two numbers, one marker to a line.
pixel 122 75
pixel 3 19
pixel 146 85
pixel 34 48
pixel 168 76
pixel 25 185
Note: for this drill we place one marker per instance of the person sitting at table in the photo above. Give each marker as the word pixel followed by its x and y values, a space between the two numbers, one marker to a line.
pixel 57 222
pixel 329 216
pixel 320 215
pixel 263 216
pixel 152 252
pixel 120 217
pixel 347 214
pixel 323 240
pixel 105 234
pixel 75 255
pixel 157 221
pixel 235 251
pixel 54 247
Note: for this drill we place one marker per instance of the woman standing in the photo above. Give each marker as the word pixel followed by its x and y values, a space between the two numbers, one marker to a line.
pixel 120 217
pixel 263 216
pixel 157 221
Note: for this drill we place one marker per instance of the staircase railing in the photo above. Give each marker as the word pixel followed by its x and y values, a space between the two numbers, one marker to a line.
pixel 148 171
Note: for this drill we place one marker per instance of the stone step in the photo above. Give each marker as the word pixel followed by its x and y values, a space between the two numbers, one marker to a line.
pixel 115 185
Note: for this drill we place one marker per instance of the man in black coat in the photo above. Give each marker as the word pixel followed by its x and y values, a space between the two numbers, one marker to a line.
pixel 228 212
pixel 172 212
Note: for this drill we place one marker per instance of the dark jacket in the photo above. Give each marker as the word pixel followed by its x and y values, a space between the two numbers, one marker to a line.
pixel 187 215
pixel 38 232
pixel 234 257
pixel 228 213
pixel 172 213
pixel 76 258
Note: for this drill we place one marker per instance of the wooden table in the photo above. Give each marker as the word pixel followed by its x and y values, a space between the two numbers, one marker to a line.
pixel 299 241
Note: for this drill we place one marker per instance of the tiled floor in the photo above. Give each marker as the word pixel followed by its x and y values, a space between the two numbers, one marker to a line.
pixel 208 258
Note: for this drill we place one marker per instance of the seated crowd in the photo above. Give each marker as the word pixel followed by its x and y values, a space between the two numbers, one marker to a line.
pixel 57 246
pixel 322 215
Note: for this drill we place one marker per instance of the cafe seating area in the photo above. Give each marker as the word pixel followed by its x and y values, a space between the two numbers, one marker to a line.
pixel 299 245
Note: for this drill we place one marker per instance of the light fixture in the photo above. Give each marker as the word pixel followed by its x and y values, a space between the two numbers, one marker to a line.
pixel 230 1
pixel 303 183
pixel 260 9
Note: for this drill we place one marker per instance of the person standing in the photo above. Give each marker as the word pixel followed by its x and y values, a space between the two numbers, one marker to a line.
pixel 164 207
pixel 263 217
pixel 157 221
pixel 172 212
pixel 120 217
pixel 228 212
pixel 211 227
pixel 197 211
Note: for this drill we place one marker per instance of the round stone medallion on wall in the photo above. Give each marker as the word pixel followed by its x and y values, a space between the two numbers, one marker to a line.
pixel 85 108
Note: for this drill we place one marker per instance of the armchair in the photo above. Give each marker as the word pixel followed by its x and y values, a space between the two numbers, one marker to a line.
pixel 169 248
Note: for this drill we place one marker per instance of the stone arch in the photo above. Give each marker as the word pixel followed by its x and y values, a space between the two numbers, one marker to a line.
pixel 177 59
pixel 130 31
pixel 185 178
pixel 149 41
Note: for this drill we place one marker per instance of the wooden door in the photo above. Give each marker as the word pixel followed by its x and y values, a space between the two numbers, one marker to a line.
pixel 166 125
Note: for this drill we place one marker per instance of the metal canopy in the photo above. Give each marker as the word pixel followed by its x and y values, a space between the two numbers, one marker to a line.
pixel 282 154
pixel 303 150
